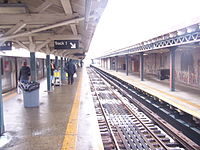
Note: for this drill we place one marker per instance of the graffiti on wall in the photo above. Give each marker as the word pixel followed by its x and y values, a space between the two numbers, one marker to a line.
pixel 187 78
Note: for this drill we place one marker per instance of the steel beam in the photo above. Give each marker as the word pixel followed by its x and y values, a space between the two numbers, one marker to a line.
pixel 116 63
pixel 159 44
pixel 127 57
pixel 56 62
pixel 33 66
pixel 62 70
pixel 48 66
pixel 172 68
pixel 110 63
pixel 142 66
pixel 2 128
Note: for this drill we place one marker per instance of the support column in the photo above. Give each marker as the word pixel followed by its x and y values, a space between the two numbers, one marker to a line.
pixel 116 63
pixel 33 66
pixel 172 68
pixel 62 69
pixel 48 66
pixel 110 63
pixel 56 62
pixel 127 64
pixel 142 66
pixel 106 63
pixel 104 66
pixel 2 128
pixel 65 61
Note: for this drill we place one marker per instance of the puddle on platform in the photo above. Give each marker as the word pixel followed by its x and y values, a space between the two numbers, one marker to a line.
pixel 5 139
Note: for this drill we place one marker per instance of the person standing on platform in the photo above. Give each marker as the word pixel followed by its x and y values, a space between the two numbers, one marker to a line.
pixel 70 68
pixel 24 73
pixel 52 71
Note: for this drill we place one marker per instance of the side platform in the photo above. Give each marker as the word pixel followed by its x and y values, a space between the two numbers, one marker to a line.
pixel 64 120
pixel 186 99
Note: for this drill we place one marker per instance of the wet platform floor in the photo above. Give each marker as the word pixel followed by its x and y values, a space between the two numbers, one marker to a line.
pixel 45 127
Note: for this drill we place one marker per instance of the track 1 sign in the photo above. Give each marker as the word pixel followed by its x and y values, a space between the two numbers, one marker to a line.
pixel 6 46
pixel 66 44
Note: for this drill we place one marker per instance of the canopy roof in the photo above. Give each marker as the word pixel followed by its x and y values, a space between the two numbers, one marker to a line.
pixel 36 24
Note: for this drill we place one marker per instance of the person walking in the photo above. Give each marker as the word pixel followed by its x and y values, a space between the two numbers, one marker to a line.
pixel 70 68
pixel 24 73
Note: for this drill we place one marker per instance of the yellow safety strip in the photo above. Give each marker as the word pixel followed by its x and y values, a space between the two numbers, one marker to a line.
pixel 180 99
pixel 70 138
pixel 151 90
pixel 9 96
pixel 155 89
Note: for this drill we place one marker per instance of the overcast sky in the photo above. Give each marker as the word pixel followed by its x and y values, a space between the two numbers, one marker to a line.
pixel 128 22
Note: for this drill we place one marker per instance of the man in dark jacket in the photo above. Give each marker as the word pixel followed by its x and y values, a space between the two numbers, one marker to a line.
pixel 52 72
pixel 70 69
pixel 24 73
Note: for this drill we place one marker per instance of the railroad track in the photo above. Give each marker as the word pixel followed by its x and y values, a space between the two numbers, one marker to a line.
pixel 125 126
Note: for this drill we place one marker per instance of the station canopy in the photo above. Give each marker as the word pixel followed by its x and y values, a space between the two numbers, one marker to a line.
pixel 61 27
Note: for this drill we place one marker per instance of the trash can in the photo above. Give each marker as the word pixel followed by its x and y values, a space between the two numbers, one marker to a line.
pixel 30 93
pixel 163 74
pixel 31 99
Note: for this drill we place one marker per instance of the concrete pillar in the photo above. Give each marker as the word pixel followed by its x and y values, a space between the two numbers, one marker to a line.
pixel 127 64
pixel 48 66
pixel 33 66
pixel 142 66
pixel 172 68
pixel 116 63
pixel 2 128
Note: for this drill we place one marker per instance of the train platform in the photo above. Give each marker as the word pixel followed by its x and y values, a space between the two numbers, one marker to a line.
pixel 185 98
pixel 64 120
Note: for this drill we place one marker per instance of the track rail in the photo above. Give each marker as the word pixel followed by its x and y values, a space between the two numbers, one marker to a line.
pixel 127 126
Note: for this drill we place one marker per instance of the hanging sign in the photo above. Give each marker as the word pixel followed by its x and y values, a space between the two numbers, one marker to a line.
pixel 6 46
pixel 66 44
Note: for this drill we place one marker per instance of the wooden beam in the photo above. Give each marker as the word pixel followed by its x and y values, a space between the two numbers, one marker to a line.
pixel 61 30
pixel 47 51
pixel 20 44
pixel 43 7
pixel 43 44
pixel 66 6
pixel 16 28
pixel 74 29
pixel 88 4
pixel 45 36
pixel 68 10
pixel 28 33
pixel 7 19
